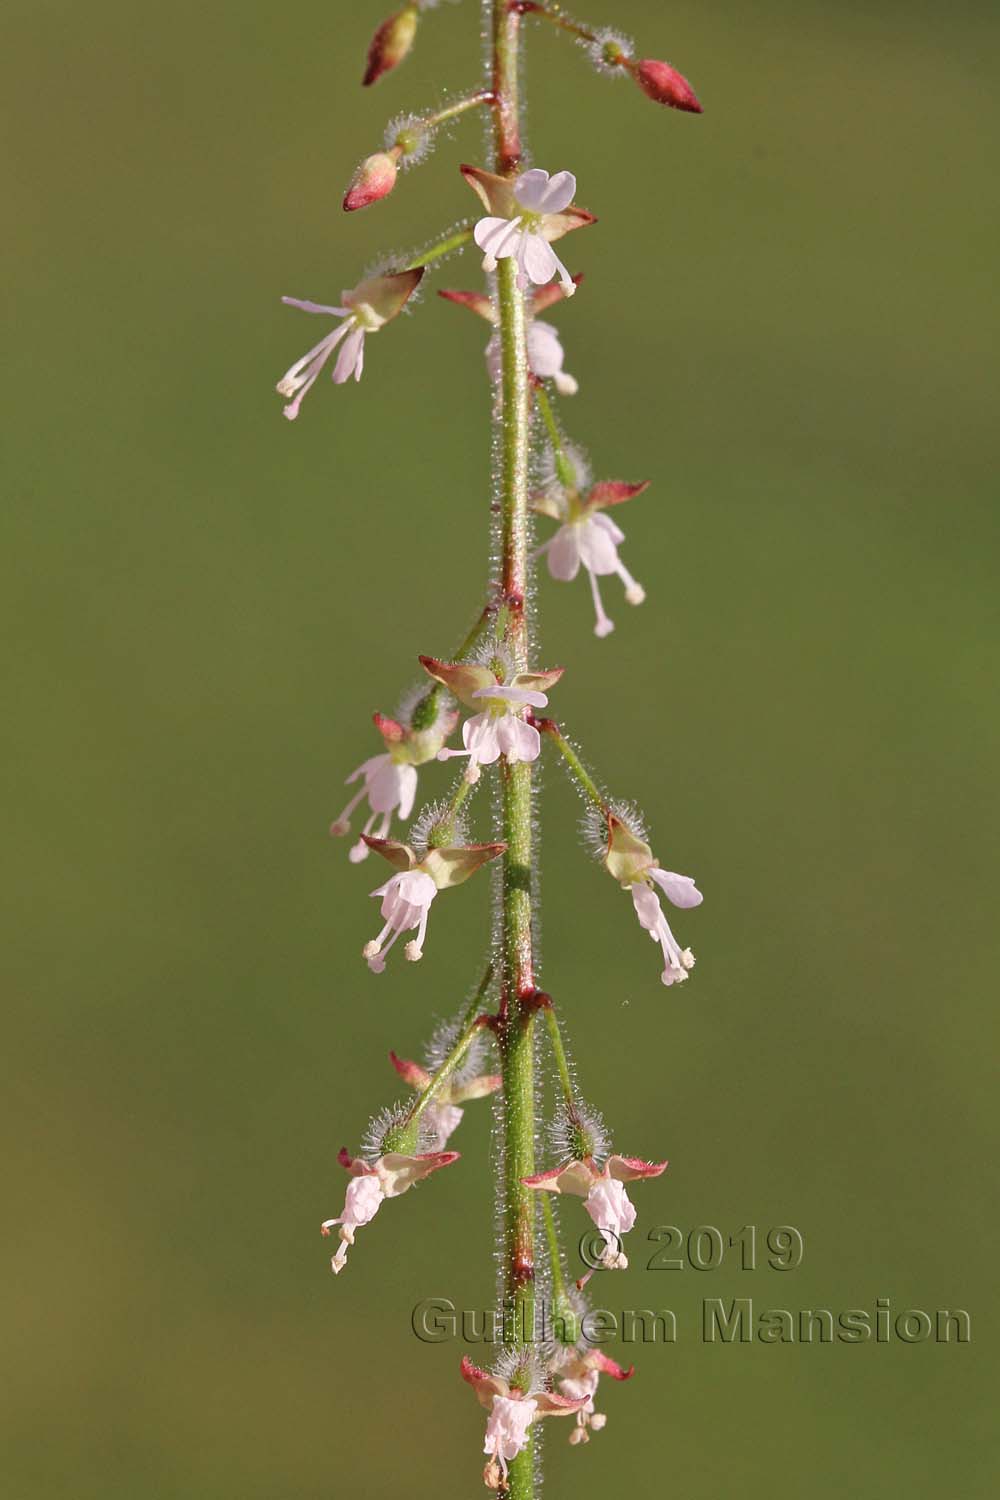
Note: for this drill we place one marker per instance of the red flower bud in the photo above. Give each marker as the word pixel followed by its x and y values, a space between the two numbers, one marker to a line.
pixel 374 179
pixel 664 84
pixel 391 43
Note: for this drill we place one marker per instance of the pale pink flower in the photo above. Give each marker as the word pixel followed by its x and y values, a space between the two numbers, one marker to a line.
pixel 407 896
pixel 606 1200
pixel 545 357
pixel 389 781
pixel 523 218
pixel 629 859
pixel 511 1413
pixel 587 537
pixel 578 1376
pixel 370 1185
pixel 367 308
pixel 406 902
pixel 537 197
pixel 544 346
pixel 502 728
pixel 443 1116
pixel 388 786
pixel 682 892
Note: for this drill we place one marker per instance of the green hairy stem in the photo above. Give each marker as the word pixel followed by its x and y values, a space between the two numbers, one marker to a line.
pixel 516 1022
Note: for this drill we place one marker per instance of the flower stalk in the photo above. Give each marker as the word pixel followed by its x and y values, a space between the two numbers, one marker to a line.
pixel 516 1028
pixel 495 677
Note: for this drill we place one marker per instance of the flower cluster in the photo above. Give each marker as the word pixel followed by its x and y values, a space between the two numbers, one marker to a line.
pixel 491 691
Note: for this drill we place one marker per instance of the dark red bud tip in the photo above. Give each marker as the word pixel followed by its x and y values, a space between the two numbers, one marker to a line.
pixel 391 43
pixel 664 84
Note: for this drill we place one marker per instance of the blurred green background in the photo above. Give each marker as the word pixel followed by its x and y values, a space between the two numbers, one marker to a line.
pixel 788 324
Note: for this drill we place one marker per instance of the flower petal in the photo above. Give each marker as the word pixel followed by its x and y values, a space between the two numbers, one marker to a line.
pixel 537 258
pixel 564 554
pixel 597 549
pixel 559 193
pixel 519 741
pixel 316 307
pixel 680 890
pixel 480 738
pixel 530 189
pixel 351 351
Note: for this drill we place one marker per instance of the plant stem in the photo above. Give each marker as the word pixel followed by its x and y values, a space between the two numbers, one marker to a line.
pixel 468 1026
pixel 559 1051
pixel 449 112
pixel 579 772
pixel 443 247
pixel 515 1024
pixel 564 469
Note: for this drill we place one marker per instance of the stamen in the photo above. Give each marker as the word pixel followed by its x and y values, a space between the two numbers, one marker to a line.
pixel 604 625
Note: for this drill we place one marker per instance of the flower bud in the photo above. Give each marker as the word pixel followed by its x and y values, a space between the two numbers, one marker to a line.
pixel 391 43
pixel 664 84
pixel 374 179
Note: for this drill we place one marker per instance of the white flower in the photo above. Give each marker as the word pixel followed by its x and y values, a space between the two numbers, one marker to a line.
pixel 592 540
pixel 388 784
pixel 406 897
pixel 613 1212
pixel 538 201
pixel 511 1413
pixel 406 900
pixel 578 1374
pixel 583 1388
pixel 545 357
pixel 367 308
pixel 682 892
pixel 362 1202
pixel 507 1428
pixel 629 859
pixel 500 730
pixel 606 1200
pixel 371 1183
pixel 587 536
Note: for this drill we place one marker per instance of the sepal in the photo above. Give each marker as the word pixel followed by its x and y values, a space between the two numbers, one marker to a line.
pixel 384 297
pixel 628 856
pixel 614 492
pixel 452 866
pixel 462 679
